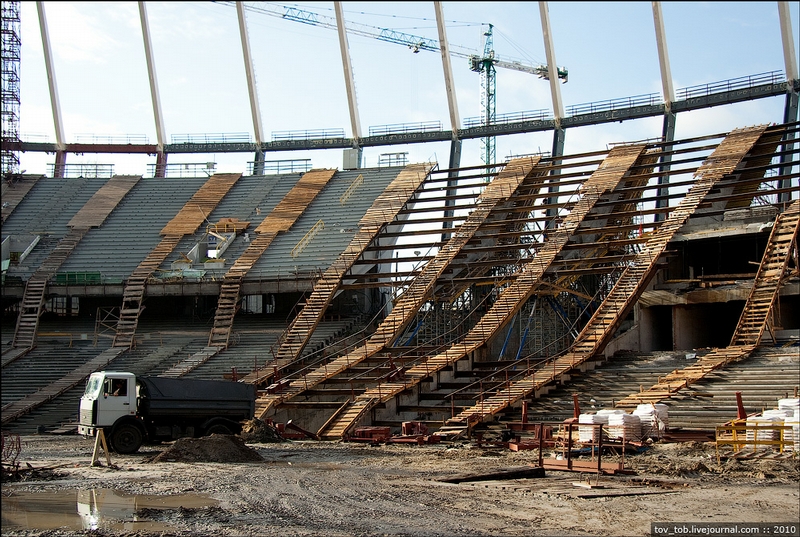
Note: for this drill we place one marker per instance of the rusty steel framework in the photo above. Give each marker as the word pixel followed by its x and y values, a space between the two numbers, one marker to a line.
pixel 603 246
pixel 543 265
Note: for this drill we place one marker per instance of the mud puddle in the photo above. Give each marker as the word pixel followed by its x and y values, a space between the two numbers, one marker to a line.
pixel 97 509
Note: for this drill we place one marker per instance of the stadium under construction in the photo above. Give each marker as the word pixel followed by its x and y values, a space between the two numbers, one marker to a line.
pixel 655 271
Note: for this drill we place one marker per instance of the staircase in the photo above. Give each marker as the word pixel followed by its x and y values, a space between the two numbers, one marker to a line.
pixel 299 331
pixel 280 219
pixel 634 279
pixel 495 194
pixel 133 293
pixel 231 285
pixel 33 298
pixel 383 210
pixel 191 216
pixel 605 178
pixel 344 419
pixel 752 322
pixel 93 213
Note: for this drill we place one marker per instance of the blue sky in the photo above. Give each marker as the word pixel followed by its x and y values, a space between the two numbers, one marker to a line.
pixel 608 47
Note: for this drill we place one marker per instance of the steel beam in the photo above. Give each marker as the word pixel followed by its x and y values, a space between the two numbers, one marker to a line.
pixel 255 111
pixel 51 79
pixel 349 80
pixel 552 67
pixel 151 71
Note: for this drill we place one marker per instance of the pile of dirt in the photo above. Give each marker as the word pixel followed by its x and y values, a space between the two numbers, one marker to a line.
pixel 256 431
pixel 214 448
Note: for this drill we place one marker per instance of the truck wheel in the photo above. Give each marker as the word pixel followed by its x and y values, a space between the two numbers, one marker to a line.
pixel 218 429
pixel 126 438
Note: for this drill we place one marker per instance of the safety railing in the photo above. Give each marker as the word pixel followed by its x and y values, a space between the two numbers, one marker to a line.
pixel 111 139
pixel 512 117
pixel 215 138
pixel 750 81
pixel 280 166
pixel 314 134
pixel 614 104
pixel 406 128
pixel 73 171
pixel 188 169
pixel 358 181
pixel 746 439
pixel 392 159
pixel 307 238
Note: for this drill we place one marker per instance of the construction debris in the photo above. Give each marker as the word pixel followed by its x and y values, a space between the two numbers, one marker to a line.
pixel 256 431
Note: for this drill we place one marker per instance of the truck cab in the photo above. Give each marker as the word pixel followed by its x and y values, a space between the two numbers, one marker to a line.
pixel 109 396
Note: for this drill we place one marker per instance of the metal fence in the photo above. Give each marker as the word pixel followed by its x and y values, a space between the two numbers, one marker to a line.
pixel 234 137
pixel 750 81
pixel 405 128
pixel 81 170
pixel 190 169
pixel 315 134
pixel 280 166
pixel 512 117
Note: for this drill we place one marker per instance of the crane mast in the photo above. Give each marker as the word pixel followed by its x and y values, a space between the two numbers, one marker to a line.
pixel 485 65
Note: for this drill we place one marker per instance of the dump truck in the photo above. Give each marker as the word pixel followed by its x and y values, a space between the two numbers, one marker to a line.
pixel 131 410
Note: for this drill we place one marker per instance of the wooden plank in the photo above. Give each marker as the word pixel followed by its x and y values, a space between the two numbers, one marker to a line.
pixel 520 472
pixel 100 205
pixel 199 207
pixel 296 201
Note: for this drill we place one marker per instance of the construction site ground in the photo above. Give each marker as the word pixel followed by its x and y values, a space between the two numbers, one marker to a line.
pixel 310 488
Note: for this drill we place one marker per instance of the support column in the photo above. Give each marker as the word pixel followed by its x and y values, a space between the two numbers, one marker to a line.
pixel 59 168
pixel 161 164
pixel 668 130
pixel 255 112
pixel 349 80
pixel 789 116
pixel 790 110
pixel 161 159
pixel 667 135
pixel 61 155
pixel 558 105
pixel 450 89
pixel 552 66
pixel 557 151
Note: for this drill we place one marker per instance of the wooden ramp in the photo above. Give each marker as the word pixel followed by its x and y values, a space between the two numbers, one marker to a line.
pixel 186 222
pixel 382 212
pixel 604 179
pixel 16 409
pixel 632 282
pixel 92 214
pixel 496 193
pixel 280 219
pixel 752 323
pixel 14 193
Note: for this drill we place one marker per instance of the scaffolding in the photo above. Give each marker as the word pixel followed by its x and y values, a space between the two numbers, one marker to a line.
pixel 10 89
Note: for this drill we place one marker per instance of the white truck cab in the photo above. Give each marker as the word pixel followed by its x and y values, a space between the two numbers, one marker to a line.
pixel 109 395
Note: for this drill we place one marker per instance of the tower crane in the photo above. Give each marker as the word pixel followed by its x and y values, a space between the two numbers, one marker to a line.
pixel 485 64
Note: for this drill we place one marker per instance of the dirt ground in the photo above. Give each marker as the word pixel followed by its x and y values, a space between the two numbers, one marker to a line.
pixel 309 488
